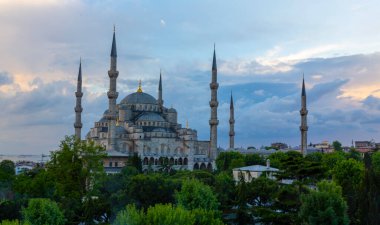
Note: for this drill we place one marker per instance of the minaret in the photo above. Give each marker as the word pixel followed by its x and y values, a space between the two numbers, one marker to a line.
pixel 78 107
pixel 232 124
pixel 303 126
pixel 160 101
pixel 112 96
pixel 214 110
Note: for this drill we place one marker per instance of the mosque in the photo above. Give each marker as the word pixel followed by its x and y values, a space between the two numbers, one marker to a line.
pixel 141 124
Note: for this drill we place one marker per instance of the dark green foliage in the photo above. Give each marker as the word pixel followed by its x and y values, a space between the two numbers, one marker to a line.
pixel 276 158
pixel 10 210
pixel 325 206
pixel 225 159
pixel 148 190
pixel 254 159
pixel 43 211
pixel 196 195
pixel 337 146
pixel 168 215
pixel 224 189
pixel 135 161
pixel 349 175
pixel 7 170
pixel 370 193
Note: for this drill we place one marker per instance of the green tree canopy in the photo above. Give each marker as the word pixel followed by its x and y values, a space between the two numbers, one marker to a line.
pixel 325 206
pixel 337 146
pixel 194 194
pixel 43 211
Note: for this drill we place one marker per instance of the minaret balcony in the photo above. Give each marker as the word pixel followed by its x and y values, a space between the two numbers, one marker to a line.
pixel 214 86
pixel 213 122
pixel 113 73
pixel 78 109
pixel 214 103
pixel 304 128
pixel 232 121
pixel 78 125
pixel 79 94
pixel 112 94
pixel 232 133
pixel 303 112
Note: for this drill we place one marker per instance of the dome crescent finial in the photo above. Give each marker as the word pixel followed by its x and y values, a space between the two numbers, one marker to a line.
pixel 139 90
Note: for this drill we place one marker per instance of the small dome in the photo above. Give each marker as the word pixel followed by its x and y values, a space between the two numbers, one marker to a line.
pixel 139 98
pixel 172 110
pixel 150 116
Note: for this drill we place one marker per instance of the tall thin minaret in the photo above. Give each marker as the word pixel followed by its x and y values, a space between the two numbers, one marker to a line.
pixel 160 101
pixel 112 96
pixel 232 124
pixel 214 110
pixel 303 126
pixel 78 107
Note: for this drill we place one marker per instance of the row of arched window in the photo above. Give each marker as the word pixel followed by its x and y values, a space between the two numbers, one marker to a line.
pixel 165 160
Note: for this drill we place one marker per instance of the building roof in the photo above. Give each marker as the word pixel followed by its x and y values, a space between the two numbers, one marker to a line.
pixel 139 98
pixel 256 168
pixel 150 116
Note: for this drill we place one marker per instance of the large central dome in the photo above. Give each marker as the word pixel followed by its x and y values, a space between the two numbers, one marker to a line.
pixel 139 98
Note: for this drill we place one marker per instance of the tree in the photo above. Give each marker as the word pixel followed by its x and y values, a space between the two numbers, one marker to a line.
pixel 223 162
pixel 194 195
pixel 225 189
pixel 349 175
pixel 254 159
pixel 166 214
pixel 337 146
pixel 370 193
pixel 8 222
pixel 329 160
pixel 7 169
pixel 43 211
pixel 130 216
pixel 76 170
pixel 325 206
pixel 150 189
pixel 276 158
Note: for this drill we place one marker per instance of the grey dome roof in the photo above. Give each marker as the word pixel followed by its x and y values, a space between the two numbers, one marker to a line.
pixel 139 98
pixel 150 116
pixel 172 110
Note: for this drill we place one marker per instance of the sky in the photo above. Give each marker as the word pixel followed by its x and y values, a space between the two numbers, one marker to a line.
pixel 263 48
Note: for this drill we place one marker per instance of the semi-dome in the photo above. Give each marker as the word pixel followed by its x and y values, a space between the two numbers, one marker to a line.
pixel 139 98
pixel 150 116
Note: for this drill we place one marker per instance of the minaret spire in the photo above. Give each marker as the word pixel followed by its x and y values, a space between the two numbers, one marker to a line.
pixel 78 107
pixel 160 100
pixel 214 110
pixel 232 124
pixel 303 113
pixel 112 96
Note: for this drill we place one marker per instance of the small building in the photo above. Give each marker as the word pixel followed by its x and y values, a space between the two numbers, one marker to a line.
pixel 253 172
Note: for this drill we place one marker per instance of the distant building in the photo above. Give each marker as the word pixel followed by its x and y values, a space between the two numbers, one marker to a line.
pixel 252 172
pixel 365 146
pixel 279 145
pixel 324 147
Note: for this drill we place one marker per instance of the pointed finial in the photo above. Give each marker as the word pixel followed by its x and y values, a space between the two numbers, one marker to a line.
pixel 214 60
pixel 303 85
pixel 231 102
pixel 113 49
pixel 114 28
pixel 139 90
pixel 80 69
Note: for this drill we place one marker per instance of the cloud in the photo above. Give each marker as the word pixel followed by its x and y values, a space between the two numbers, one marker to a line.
pixel 162 23
pixel 5 78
